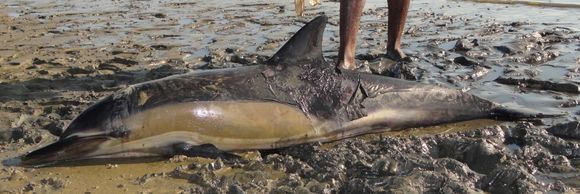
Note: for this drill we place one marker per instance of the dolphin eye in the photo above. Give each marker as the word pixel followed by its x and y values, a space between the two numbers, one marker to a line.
pixel 119 133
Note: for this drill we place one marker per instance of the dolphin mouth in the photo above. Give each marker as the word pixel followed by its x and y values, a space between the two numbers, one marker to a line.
pixel 65 150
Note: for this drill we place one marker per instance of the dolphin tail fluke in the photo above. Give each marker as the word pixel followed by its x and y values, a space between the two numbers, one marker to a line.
pixel 304 46
pixel 505 113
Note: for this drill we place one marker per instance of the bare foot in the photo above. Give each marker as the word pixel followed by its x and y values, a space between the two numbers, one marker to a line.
pixel 395 54
pixel 346 65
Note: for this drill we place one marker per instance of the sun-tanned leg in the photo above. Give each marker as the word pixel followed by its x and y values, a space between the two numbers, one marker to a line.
pixel 350 13
pixel 398 10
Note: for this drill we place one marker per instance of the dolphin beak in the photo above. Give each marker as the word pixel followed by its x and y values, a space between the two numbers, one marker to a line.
pixel 64 150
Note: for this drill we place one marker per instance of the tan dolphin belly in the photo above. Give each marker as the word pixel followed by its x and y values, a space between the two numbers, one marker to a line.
pixel 229 125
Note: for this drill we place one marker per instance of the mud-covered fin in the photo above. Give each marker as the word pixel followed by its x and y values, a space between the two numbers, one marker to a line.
pixel 304 46
pixel 204 150
pixel 505 113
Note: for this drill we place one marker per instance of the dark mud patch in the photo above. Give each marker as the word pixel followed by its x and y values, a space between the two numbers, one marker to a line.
pixel 540 84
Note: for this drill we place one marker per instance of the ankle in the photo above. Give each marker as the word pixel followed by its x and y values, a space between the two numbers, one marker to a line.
pixel 346 65
pixel 395 53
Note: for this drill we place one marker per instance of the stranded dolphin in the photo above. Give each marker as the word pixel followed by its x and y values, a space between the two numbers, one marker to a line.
pixel 295 98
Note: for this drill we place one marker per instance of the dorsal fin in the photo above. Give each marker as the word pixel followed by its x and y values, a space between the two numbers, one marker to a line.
pixel 304 46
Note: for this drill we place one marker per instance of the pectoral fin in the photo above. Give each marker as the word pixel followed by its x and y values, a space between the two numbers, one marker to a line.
pixel 203 150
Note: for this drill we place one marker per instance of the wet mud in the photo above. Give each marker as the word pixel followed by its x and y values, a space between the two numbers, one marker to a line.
pixel 59 57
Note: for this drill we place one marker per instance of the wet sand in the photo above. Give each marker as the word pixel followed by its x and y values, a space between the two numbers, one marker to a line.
pixel 58 58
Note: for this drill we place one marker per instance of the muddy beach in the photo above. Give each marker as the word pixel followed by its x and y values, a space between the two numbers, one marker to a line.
pixel 57 58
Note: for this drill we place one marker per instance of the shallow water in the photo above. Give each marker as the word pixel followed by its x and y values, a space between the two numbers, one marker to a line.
pixel 538 3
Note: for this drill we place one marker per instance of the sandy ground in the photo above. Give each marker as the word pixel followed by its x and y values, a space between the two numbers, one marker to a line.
pixel 58 57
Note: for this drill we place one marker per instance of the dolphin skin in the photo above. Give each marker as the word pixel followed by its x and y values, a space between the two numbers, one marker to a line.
pixel 296 97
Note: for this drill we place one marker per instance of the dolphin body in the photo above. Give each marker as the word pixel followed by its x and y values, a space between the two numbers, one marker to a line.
pixel 295 98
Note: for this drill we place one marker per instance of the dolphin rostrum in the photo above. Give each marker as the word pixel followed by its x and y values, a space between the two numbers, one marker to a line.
pixel 295 98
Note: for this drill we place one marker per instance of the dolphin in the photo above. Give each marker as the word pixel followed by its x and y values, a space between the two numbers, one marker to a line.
pixel 296 97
